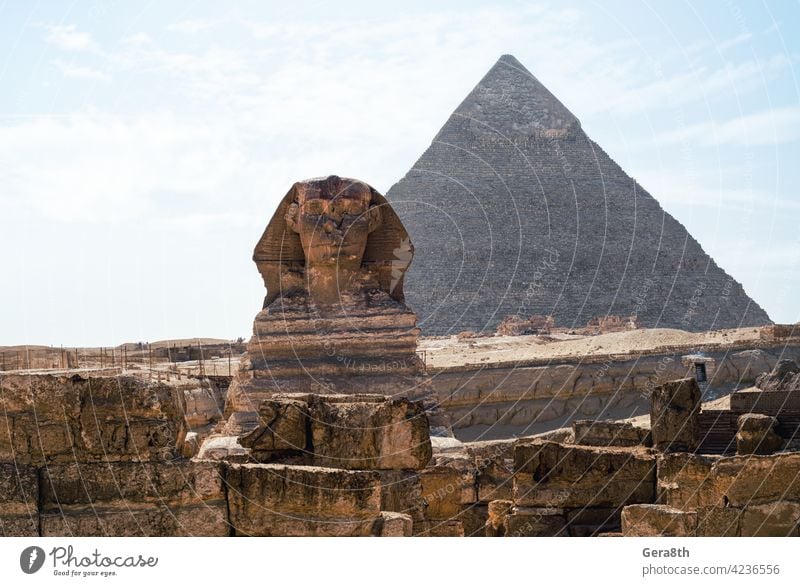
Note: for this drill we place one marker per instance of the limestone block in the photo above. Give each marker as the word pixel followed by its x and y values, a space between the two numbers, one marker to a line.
pixel 750 480
pixel 134 499
pixel 685 481
pixel 440 528
pixel 756 435
pixel 535 522
pixel 191 445
pixel 392 524
pixel 201 405
pixel 718 521
pixel 589 432
pixel 464 464
pixel 673 415
pixel 281 431
pixel 777 519
pixel 497 512
pixel 401 492
pixel 441 489
pixel 548 474
pixel 223 447
pixel 19 496
pixel 59 419
pixel 281 500
pixel 474 517
pixel 359 435
pixel 591 521
pixel 153 521
pixel 657 521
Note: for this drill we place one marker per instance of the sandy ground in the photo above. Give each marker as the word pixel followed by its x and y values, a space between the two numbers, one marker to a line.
pixel 444 352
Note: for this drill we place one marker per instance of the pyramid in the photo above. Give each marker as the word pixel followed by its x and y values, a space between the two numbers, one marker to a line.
pixel 513 209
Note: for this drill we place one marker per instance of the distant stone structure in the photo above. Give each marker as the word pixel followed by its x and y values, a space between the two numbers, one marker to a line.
pixel 516 325
pixel 515 210
pixel 333 258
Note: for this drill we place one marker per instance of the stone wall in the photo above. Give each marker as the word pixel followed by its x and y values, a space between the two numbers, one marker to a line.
pixel 530 393
pixel 747 496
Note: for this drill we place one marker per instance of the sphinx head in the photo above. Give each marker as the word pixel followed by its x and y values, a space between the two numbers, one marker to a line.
pixel 330 238
pixel 334 218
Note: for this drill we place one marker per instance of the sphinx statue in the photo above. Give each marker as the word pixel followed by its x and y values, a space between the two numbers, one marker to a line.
pixel 333 258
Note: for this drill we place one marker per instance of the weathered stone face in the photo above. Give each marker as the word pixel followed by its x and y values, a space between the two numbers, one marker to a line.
pixel 657 520
pixel 673 415
pixel 382 435
pixel 132 498
pixel 60 419
pixel 548 474
pixel 685 481
pixel 589 432
pixel 19 497
pixel 757 435
pixel 278 500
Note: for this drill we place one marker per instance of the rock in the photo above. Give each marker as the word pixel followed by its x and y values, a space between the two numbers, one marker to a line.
pixel 441 490
pixel 223 447
pixel 392 524
pixel 548 474
pixel 278 500
pixel 718 521
pixel 685 481
pixel 128 498
pixel 673 415
pixel 464 464
pixel 156 521
pixel 751 480
pixel 401 492
pixel 440 528
pixel 535 522
pixel 785 376
pixel 657 521
pixel 588 432
pixel 19 497
pixel 358 435
pixel 99 419
pixel 474 517
pixel 202 405
pixel 777 519
pixel 590 522
pixel 281 431
pixel 497 512
pixel 757 435
pixel 191 445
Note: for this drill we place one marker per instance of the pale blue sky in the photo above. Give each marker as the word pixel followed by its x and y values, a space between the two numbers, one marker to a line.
pixel 144 145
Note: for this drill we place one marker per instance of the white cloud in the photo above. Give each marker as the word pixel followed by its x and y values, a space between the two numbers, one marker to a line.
pixel 71 70
pixel 779 125
pixel 192 26
pixel 67 37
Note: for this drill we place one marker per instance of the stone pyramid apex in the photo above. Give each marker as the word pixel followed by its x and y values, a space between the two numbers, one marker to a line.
pixel 510 101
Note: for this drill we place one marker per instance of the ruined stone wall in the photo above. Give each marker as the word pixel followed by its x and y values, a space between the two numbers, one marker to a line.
pixel 102 457
pixel 748 496
pixel 529 393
